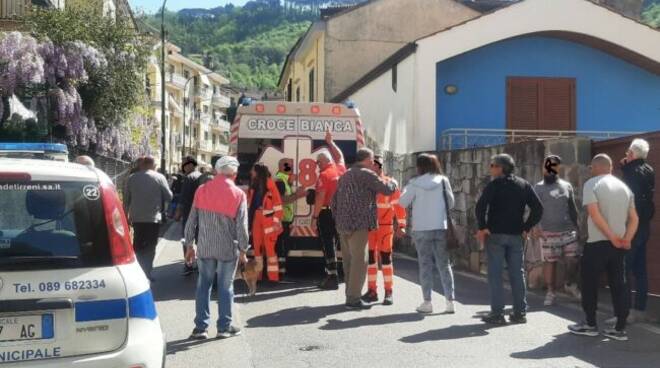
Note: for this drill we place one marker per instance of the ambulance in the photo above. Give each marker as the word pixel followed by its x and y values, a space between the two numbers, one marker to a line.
pixel 268 132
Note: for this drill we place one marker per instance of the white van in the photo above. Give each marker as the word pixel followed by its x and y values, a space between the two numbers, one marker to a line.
pixel 270 131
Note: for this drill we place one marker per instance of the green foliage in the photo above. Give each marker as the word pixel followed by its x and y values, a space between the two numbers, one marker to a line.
pixel 112 93
pixel 651 15
pixel 247 44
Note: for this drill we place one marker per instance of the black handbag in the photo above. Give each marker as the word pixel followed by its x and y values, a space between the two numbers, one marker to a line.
pixel 452 240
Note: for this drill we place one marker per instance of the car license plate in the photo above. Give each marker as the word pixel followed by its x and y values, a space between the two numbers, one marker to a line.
pixel 32 327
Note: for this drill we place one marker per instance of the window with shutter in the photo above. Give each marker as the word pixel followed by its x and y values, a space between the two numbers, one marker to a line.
pixel 541 103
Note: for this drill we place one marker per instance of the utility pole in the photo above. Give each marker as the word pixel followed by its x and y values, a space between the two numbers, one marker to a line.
pixel 163 138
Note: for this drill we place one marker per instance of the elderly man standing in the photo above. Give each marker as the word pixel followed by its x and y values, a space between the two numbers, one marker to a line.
pixel 219 221
pixel 612 225
pixel 354 209
pixel 640 178
pixel 147 192
pixel 503 228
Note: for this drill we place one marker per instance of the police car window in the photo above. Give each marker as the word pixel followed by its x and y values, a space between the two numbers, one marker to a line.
pixel 51 225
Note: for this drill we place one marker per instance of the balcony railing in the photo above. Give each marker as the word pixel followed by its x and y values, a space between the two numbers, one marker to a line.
pixel 221 100
pixel 453 139
pixel 205 146
pixel 14 9
pixel 176 80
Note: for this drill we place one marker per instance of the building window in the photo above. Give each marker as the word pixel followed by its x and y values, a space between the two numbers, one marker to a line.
pixel 541 103
pixel 289 91
pixel 195 132
pixel 298 94
pixel 206 136
pixel 311 85
pixel 186 74
pixel 206 109
pixel 395 67
pixel 213 139
pixel 204 158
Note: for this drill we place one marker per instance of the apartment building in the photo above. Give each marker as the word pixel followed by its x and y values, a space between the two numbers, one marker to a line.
pixel 196 107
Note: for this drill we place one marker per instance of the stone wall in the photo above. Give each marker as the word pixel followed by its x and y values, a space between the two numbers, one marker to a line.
pixel 468 172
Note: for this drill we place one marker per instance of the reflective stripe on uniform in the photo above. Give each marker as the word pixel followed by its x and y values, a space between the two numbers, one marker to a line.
pixel 383 205
pixel 268 212
pixel 269 230
pixel 277 208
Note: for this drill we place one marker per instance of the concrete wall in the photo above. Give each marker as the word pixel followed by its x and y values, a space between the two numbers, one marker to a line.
pixel 627 99
pixel 468 173
pixel 387 114
pixel 356 42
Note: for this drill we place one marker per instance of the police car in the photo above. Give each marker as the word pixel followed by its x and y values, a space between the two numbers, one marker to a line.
pixel 71 291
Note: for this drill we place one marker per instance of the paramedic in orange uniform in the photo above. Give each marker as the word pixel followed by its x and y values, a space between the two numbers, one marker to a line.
pixel 381 240
pixel 332 167
pixel 265 214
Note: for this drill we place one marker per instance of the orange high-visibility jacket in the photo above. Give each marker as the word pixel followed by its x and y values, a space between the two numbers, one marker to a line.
pixel 388 208
pixel 271 207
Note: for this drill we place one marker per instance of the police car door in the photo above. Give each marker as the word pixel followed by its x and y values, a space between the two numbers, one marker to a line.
pixel 61 289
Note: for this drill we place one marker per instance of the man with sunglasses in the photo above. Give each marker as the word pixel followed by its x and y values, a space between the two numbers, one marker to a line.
pixel 503 229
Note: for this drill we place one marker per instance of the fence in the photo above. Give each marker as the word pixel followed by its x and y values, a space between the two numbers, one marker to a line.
pixel 117 170
pixel 453 139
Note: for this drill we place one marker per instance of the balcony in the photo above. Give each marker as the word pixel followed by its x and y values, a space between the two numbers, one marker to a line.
pixel 203 94
pixel 221 100
pixel 205 146
pixel 14 9
pixel 220 124
pixel 175 80
pixel 221 148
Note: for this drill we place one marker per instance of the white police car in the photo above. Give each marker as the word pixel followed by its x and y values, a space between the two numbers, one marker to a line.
pixel 71 291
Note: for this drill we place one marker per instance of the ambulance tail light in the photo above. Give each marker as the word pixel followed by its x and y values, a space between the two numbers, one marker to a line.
pixel 121 248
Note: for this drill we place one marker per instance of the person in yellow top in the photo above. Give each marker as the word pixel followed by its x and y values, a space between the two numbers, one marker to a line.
pixel 285 180
pixel 381 240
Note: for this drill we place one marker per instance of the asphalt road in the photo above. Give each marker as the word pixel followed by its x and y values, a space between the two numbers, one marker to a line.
pixel 295 325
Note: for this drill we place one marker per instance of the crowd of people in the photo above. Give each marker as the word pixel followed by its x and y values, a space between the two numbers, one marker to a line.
pixel 361 210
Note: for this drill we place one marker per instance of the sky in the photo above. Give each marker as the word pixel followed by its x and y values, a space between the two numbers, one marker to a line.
pixel 154 5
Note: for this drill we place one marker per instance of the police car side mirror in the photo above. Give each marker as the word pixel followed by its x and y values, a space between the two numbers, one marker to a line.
pixel 310 198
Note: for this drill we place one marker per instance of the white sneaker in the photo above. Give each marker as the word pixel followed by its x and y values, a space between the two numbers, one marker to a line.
pixel 573 290
pixel 549 299
pixel 425 308
pixel 450 307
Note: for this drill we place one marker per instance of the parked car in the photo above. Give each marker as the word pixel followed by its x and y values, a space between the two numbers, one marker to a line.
pixel 71 291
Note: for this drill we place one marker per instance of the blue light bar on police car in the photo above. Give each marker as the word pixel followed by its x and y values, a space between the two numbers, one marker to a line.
pixel 34 147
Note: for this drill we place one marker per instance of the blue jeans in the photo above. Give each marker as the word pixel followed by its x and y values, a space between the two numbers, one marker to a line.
pixel 432 248
pixel 503 248
pixel 636 265
pixel 224 272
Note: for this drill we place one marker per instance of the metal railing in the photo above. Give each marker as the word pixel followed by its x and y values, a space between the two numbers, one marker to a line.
pixel 221 148
pixel 220 123
pixel 203 94
pixel 14 9
pixel 453 139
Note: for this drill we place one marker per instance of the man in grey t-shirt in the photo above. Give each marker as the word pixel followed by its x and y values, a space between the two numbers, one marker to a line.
pixel 612 225
pixel 557 231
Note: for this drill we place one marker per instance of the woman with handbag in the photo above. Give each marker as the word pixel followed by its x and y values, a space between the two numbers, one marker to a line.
pixel 430 196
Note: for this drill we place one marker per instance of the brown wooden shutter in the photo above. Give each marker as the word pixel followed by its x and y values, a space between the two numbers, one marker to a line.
pixel 523 103
pixel 541 103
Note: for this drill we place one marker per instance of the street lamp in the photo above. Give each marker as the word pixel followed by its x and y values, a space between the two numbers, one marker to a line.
pixel 162 87
pixel 185 104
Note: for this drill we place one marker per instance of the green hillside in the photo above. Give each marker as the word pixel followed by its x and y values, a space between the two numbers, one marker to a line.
pixel 247 44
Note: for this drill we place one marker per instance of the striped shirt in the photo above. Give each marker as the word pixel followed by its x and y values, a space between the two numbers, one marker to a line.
pixel 219 219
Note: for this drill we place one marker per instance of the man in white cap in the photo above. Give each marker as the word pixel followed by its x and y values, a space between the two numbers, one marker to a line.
pixel 219 221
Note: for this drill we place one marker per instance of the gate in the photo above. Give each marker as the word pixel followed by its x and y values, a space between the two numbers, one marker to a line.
pixel 616 148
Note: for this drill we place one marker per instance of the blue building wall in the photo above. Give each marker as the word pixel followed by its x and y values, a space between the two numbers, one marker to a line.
pixel 611 94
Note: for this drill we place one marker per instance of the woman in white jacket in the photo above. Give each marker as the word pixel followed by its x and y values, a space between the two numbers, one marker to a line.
pixel 426 195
